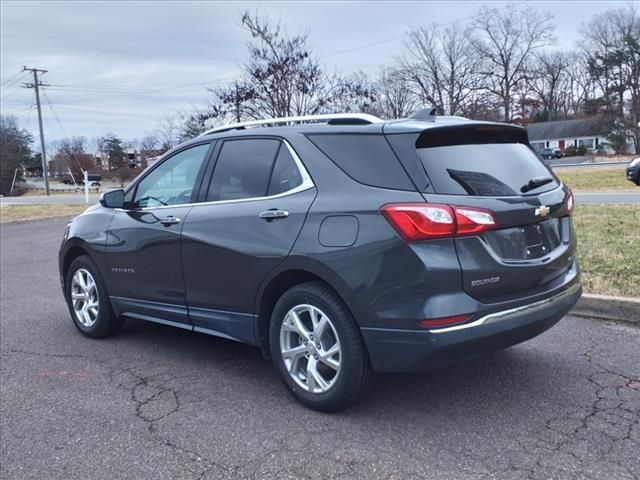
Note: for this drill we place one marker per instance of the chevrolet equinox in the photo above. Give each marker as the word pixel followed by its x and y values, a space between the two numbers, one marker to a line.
pixel 338 244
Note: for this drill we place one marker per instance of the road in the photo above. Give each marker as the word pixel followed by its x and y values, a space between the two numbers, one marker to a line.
pixel 607 197
pixel 158 403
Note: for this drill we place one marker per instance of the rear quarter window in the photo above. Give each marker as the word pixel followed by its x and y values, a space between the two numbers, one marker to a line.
pixel 367 159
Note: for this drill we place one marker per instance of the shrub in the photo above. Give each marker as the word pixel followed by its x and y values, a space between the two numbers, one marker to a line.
pixel 570 151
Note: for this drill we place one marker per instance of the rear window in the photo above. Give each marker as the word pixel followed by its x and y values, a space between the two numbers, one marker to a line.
pixel 482 163
pixel 367 159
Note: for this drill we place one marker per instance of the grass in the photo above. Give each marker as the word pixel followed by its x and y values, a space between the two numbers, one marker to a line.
pixel 12 213
pixel 608 246
pixel 595 178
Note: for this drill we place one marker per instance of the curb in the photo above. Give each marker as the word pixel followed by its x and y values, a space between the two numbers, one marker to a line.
pixel 620 309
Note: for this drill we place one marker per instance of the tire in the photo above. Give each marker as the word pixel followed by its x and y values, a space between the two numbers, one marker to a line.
pixel 104 322
pixel 346 374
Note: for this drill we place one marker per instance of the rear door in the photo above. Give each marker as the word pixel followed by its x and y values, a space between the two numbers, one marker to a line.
pixel 493 167
pixel 253 207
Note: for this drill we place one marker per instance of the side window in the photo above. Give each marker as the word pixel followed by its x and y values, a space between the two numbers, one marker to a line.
pixel 285 175
pixel 243 169
pixel 172 182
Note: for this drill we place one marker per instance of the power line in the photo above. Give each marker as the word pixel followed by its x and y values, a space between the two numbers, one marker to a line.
pixel 102 112
pixel 11 80
pixel 134 89
pixel 7 94
pixel 397 37
pixel 64 134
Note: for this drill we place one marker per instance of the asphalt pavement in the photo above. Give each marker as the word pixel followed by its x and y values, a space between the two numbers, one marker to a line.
pixel 607 197
pixel 160 403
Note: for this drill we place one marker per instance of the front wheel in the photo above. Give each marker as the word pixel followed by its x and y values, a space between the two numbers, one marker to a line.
pixel 317 348
pixel 88 300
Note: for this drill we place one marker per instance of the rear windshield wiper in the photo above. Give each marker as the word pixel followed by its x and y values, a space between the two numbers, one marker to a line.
pixel 535 183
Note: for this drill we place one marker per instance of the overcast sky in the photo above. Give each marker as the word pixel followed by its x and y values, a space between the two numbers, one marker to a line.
pixel 121 66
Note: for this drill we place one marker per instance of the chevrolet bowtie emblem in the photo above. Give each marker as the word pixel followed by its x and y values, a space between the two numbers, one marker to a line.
pixel 543 211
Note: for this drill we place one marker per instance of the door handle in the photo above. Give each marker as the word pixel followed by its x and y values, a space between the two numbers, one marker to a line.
pixel 170 220
pixel 273 214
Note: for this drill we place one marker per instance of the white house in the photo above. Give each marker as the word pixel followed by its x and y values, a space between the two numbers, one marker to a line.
pixel 591 132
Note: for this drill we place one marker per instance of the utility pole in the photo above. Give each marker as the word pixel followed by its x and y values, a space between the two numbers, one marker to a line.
pixel 36 84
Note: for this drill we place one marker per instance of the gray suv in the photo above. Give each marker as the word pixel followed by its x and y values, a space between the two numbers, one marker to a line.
pixel 338 244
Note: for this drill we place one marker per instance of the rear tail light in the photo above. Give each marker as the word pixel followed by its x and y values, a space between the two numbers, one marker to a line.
pixel 571 202
pixel 443 321
pixel 422 221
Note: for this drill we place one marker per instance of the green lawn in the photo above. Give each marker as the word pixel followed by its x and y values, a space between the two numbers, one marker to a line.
pixel 609 248
pixel 596 178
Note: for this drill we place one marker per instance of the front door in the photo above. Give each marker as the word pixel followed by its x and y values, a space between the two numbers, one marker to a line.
pixel 561 145
pixel 143 246
pixel 253 209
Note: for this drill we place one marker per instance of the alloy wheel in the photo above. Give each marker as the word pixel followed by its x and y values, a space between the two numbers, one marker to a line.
pixel 84 297
pixel 310 348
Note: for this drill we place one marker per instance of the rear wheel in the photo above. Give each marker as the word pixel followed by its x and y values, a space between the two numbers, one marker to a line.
pixel 317 348
pixel 88 300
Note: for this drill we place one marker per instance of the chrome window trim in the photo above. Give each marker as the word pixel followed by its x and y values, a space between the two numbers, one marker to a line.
pixel 307 183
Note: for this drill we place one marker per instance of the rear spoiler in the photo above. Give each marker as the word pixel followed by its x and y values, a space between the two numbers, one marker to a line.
pixel 474 134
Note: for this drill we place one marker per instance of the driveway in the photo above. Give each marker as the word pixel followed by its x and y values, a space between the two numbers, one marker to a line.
pixel 158 403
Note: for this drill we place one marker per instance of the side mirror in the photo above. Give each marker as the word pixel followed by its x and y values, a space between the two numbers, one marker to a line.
pixel 112 199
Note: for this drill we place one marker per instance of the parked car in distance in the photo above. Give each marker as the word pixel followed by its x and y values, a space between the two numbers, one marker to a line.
pixel 633 171
pixel 547 153
pixel 338 244
pixel 93 178
pixel 67 179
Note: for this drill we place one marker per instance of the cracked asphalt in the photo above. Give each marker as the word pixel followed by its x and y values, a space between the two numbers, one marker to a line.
pixel 159 403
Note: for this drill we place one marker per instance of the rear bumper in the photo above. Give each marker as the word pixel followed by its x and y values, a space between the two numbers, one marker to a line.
pixel 393 350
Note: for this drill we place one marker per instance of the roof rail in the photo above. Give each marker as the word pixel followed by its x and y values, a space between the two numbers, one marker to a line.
pixel 330 118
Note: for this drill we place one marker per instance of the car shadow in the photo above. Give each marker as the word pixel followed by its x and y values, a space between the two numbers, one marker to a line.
pixel 503 381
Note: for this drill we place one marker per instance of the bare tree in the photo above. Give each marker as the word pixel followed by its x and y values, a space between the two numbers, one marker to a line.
pixel 442 68
pixel 167 132
pixel 149 142
pixel 282 77
pixel 612 48
pixel 15 149
pixel 581 86
pixel 71 156
pixel 549 80
pixel 394 96
pixel 505 40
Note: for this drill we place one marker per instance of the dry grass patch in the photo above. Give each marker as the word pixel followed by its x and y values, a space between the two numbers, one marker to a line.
pixel 596 178
pixel 608 246
pixel 13 213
